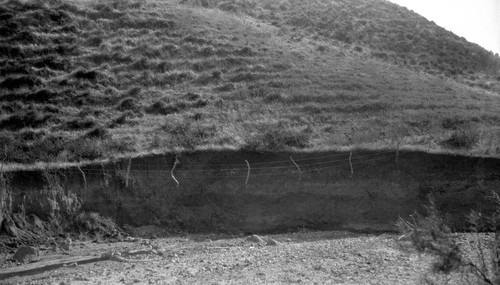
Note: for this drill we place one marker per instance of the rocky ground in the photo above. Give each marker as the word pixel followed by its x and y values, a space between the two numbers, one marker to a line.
pixel 335 257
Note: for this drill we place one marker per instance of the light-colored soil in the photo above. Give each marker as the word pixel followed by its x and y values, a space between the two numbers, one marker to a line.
pixel 307 257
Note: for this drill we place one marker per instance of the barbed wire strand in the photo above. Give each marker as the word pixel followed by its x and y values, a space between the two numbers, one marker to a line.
pixel 90 169
pixel 100 172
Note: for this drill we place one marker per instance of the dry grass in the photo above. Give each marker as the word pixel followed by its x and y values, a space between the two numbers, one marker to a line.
pixel 131 67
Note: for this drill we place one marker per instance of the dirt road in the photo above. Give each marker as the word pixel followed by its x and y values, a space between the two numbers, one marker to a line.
pixel 306 257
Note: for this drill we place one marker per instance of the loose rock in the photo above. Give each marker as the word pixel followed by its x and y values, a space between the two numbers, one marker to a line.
pixel 271 241
pixel 255 239
pixel 26 254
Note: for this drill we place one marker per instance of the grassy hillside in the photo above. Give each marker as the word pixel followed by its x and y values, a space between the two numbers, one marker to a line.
pixel 84 80
pixel 380 28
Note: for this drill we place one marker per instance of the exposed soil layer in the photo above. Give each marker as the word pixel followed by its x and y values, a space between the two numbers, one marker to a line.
pixel 216 191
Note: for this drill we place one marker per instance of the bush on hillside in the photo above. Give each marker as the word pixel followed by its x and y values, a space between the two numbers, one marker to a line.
pixel 11 148
pixel 30 135
pixel 47 149
pixel 122 119
pixel 277 138
pixel 454 122
pixel 97 133
pixel 465 138
pixel 92 76
pixel 273 97
pixel 188 134
pixel 79 124
pixel 84 149
pixel 19 82
pixel 24 119
pixel 134 92
pixel 162 108
pixel 128 103
pixel 245 77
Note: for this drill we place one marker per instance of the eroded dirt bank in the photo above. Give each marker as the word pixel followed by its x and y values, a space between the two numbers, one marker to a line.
pixel 218 190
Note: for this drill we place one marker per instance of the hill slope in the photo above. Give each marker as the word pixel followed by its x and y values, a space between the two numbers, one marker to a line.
pixel 84 80
pixel 388 30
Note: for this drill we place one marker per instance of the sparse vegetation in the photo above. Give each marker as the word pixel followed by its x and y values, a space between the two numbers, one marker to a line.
pixel 188 134
pixel 463 138
pixel 477 264
pixel 277 138
pixel 92 223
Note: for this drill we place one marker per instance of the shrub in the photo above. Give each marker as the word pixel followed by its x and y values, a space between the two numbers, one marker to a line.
pixel 140 64
pixel 206 51
pixel 463 138
pixel 177 77
pixel 162 108
pixel 273 97
pixel 90 75
pixel 41 96
pixel 47 149
pixel 453 122
pixel 11 51
pixel 353 86
pixel 120 120
pixel 245 51
pixel 217 74
pixel 248 76
pixel 24 119
pixel 200 103
pixel 84 149
pixel 122 145
pixel 225 88
pixel 79 124
pixel 164 66
pixel 128 103
pixel 93 76
pixel 277 138
pixel 94 223
pixel 430 234
pixel 94 41
pixel 52 62
pixel 97 132
pixel 188 134
pixel 322 48
pixel 22 81
pixel 134 91
pixel 30 135
pixel 11 148
pixel 191 96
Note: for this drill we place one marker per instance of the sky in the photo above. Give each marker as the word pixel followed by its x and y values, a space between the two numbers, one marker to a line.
pixel 476 20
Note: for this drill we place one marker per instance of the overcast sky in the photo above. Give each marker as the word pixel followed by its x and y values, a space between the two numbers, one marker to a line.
pixel 476 20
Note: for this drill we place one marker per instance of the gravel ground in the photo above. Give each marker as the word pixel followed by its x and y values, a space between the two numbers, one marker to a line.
pixel 334 257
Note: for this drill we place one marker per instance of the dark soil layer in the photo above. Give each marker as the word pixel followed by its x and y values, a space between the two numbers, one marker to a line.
pixel 216 194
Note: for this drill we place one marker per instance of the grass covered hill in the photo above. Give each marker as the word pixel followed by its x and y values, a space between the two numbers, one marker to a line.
pixel 386 30
pixel 85 80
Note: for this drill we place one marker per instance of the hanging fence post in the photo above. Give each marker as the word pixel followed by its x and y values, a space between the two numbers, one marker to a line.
pixel 397 154
pixel 128 172
pixel 104 176
pixel 172 171
pixel 328 177
pixel 84 178
pixel 296 165
pixel 350 163
pixel 248 172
